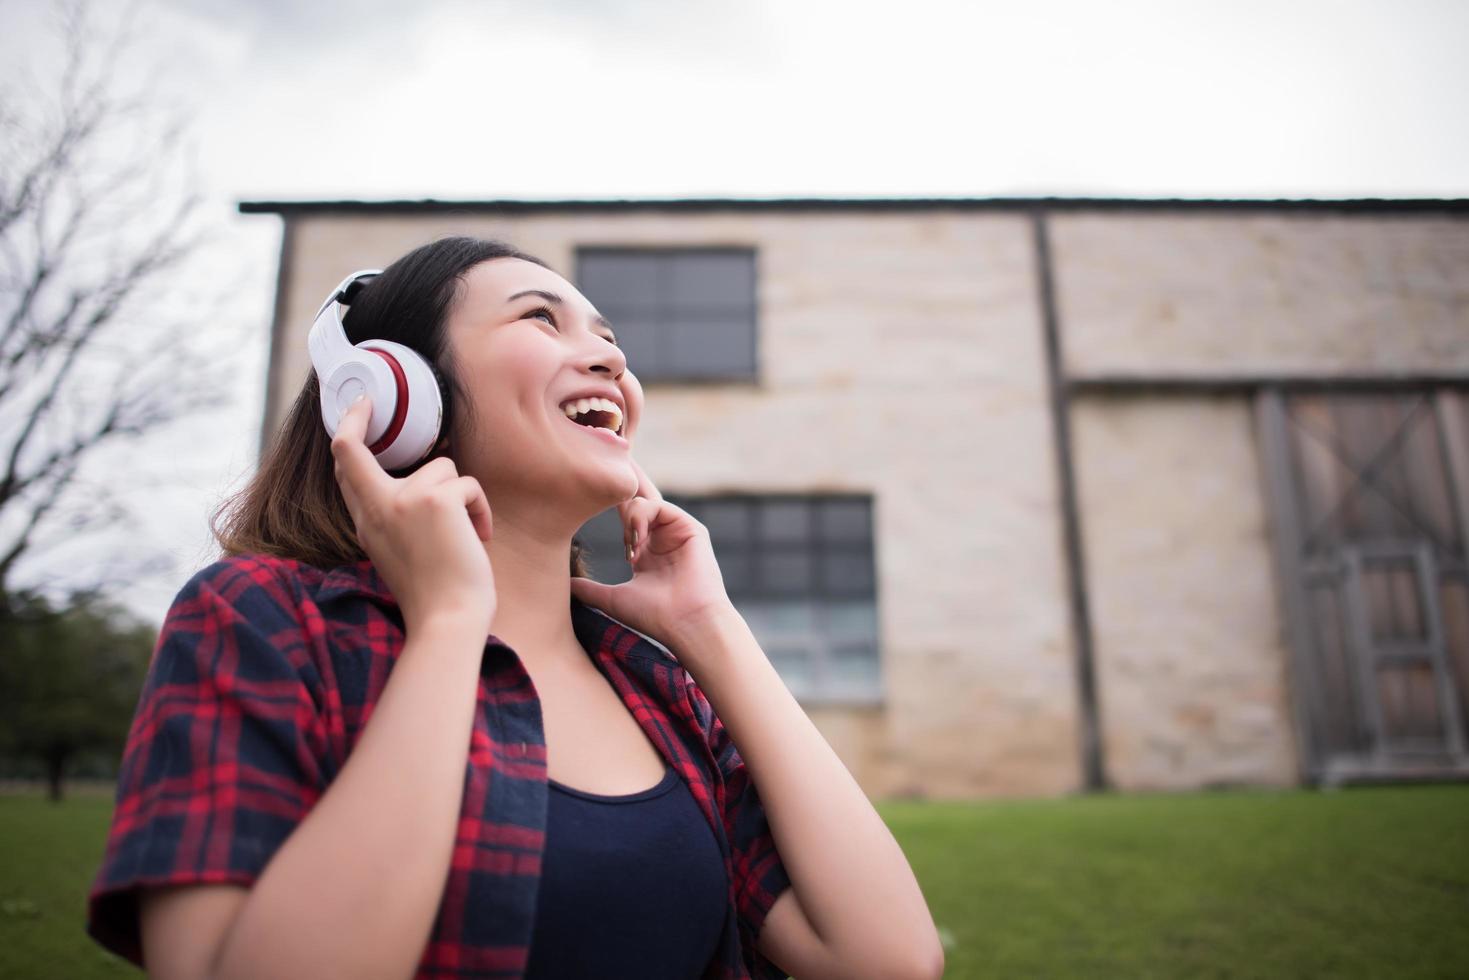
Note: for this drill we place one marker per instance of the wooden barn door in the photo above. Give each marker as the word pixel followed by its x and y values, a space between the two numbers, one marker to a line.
pixel 1368 499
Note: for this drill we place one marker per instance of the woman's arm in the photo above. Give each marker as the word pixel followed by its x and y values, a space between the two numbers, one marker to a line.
pixel 353 891
pixel 861 907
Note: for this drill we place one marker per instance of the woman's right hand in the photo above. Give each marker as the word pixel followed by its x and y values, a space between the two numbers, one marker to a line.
pixel 425 532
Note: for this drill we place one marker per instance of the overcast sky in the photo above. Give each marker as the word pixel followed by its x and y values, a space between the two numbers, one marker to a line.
pixel 675 98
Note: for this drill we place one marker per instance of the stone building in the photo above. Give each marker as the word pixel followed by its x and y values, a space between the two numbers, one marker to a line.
pixel 1039 496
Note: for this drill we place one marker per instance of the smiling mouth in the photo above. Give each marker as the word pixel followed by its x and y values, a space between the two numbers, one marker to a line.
pixel 599 432
pixel 595 412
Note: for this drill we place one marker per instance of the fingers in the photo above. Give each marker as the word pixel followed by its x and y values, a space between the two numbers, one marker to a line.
pixel 443 476
pixel 356 464
pixel 645 485
pixel 440 469
pixel 637 513
pixel 477 504
pixel 364 481
pixel 645 489
pixel 640 513
pixel 594 593
pixel 354 503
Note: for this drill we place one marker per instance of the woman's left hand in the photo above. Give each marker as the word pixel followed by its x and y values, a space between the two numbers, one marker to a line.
pixel 676 585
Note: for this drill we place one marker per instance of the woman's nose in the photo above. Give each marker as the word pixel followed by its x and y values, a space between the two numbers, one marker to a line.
pixel 603 355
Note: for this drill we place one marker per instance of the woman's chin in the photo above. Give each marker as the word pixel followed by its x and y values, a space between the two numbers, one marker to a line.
pixel 609 481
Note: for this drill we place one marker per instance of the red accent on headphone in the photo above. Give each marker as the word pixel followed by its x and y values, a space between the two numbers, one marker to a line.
pixel 400 408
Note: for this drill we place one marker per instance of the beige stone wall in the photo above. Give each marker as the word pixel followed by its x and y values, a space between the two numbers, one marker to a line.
pixel 900 355
pixel 1218 292
pixel 1189 649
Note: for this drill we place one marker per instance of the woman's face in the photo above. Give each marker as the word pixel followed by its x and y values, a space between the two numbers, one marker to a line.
pixel 522 355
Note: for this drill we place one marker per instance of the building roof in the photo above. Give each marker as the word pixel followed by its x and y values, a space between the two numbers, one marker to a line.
pixel 526 205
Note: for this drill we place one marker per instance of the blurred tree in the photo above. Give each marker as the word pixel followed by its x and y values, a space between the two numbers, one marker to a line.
pixel 70 678
pixel 98 212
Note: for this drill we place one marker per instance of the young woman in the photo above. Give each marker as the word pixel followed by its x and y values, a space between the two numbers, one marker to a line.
pixel 394 731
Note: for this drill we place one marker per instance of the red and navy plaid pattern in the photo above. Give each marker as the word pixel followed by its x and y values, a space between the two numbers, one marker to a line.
pixel 265 673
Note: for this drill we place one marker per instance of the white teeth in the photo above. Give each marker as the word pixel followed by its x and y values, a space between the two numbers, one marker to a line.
pixel 578 406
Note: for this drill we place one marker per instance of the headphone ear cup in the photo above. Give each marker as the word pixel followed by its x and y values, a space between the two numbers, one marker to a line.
pixel 415 426
pixel 443 400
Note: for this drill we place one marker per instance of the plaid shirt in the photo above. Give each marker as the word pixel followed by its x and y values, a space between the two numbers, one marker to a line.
pixel 265 672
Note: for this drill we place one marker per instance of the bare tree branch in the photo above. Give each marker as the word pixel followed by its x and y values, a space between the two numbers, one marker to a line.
pixel 96 230
pixel 34 518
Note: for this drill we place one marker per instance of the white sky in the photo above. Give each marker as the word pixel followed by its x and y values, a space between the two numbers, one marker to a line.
pixel 677 98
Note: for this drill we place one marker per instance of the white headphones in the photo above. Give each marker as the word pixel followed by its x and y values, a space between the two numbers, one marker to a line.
pixel 407 403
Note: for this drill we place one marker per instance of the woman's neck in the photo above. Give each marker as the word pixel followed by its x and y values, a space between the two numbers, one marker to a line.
pixel 531 565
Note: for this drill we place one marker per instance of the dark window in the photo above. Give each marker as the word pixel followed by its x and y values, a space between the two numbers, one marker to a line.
pixel 801 571
pixel 681 314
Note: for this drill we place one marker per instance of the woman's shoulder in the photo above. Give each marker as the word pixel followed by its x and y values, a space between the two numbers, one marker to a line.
pixel 243 615
pixel 250 585
pixel 227 575
pixel 263 570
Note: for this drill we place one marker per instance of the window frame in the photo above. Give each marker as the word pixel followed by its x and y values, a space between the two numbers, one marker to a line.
pixel 824 641
pixel 656 374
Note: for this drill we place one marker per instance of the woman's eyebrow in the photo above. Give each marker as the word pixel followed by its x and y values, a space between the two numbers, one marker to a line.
pixel 553 298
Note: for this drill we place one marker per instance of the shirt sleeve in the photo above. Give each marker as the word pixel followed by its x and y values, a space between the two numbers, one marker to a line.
pixel 759 874
pixel 223 756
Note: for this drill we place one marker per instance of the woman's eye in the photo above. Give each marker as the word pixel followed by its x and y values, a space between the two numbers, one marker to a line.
pixel 551 318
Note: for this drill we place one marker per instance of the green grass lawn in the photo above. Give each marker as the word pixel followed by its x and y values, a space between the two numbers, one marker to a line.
pixel 1362 882
pixel 1365 882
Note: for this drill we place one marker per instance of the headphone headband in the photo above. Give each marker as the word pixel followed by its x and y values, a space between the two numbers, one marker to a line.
pixel 347 290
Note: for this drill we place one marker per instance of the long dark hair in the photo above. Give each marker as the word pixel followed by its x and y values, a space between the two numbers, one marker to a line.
pixel 292 507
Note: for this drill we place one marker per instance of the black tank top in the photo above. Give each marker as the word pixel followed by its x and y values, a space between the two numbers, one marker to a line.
pixel 631 886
